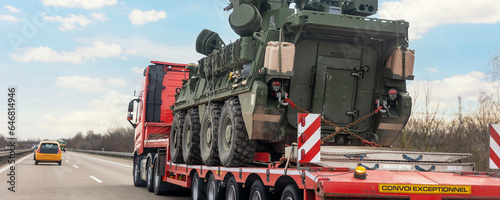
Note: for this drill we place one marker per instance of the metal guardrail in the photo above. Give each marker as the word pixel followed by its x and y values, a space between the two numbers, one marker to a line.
pixel 106 153
pixel 4 155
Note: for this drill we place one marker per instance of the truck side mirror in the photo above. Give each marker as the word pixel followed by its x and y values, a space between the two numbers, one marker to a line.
pixel 131 106
pixel 130 117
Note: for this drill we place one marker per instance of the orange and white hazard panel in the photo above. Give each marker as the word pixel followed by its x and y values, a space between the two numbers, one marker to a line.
pixel 494 146
pixel 309 136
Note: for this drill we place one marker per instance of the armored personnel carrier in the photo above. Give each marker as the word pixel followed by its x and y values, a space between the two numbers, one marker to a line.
pixel 317 56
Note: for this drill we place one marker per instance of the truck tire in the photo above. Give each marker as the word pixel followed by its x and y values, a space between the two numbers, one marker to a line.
pixel 208 135
pixel 234 191
pixel 235 149
pixel 258 191
pixel 291 192
pixel 176 138
pixel 197 187
pixel 191 138
pixel 137 180
pixel 213 187
pixel 149 175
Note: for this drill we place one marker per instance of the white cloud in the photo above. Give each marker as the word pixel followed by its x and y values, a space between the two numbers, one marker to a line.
pixel 138 17
pixel 155 51
pixel 72 21
pixel 80 55
pixel 12 9
pixel 118 82
pixel 87 4
pixel 9 18
pixel 426 14
pixel 431 70
pixel 81 83
pixel 444 93
pixel 88 84
pixel 99 16
pixel 108 111
pixel 138 70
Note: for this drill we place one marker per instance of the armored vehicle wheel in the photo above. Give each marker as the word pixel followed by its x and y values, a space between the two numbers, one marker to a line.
pixel 176 138
pixel 235 149
pixel 208 136
pixel 191 138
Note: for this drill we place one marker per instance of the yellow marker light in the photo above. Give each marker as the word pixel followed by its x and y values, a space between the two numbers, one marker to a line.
pixel 360 172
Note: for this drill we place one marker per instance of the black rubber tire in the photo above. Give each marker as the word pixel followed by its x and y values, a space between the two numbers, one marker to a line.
pixel 258 191
pixel 36 162
pixel 234 191
pixel 59 163
pixel 191 138
pixel 176 138
pixel 235 149
pixel 291 192
pixel 208 134
pixel 197 187
pixel 213 187
pixel 164 188
pixel 149 174
pixel 136 173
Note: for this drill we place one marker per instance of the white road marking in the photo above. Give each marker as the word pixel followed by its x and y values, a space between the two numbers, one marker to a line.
pixel 67 161
pixel 95 179
pixel 75 166
pixel 107 161
pixel 10 165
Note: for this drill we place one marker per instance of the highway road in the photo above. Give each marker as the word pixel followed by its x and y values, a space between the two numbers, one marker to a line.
pixel 81 176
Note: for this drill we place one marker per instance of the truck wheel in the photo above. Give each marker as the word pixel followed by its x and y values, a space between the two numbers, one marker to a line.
pixel 234 191
pixel 176 138
pixel 235 149
pixel 160 187
pixel 59 163
pixel 258 191
pixel 191 138
pixel 197 187
pixel 149 175
pixel 36 162
pixel 291 192
pixel 137 180
pixel 208 135
pixel 213 189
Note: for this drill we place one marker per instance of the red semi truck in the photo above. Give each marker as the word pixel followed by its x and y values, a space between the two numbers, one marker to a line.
pixel 339 173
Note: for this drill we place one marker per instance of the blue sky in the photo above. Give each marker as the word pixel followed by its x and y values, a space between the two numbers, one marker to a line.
pixel 76 63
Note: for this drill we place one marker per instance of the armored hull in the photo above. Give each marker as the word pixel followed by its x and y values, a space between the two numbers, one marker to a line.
pixel 323 57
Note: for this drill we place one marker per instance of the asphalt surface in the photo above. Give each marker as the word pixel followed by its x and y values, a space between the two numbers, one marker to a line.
pixel 81 176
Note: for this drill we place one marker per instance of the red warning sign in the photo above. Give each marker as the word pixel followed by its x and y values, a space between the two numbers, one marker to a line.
pixel 309 135
pixel 494 146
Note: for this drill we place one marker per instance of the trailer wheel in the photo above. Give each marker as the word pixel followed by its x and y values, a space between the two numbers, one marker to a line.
pixel 208 135
pixel 235 148
pixel 213 187
pixel 191 138
pixel 197 187
pixel 291 192
pixel 176 138
pixel 234 191
pixel 258 191
pixel 137 180
pixel 149 175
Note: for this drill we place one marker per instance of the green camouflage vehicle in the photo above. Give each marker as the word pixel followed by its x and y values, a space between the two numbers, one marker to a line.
pixel 321 56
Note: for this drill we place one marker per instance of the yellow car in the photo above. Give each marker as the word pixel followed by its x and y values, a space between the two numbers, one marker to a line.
pixel 48 152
